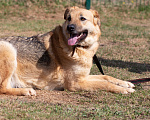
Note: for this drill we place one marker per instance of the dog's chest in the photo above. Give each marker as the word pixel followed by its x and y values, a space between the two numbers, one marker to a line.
pixel 77 68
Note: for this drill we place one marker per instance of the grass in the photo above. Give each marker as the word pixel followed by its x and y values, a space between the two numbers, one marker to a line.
pixel 123 52
pixel 32 25
pixel 99 105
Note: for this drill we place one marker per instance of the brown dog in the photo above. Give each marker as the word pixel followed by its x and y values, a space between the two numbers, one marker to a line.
pixel 58 59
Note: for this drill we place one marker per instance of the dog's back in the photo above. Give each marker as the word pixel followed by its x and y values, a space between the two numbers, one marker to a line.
pixel 30 48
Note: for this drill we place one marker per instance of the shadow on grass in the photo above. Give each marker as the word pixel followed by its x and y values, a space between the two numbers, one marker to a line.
pixel 132 66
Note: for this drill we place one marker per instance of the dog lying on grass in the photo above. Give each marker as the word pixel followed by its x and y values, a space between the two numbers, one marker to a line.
pixel 61 58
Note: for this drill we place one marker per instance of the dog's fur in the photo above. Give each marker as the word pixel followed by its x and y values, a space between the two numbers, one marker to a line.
pixel 48 62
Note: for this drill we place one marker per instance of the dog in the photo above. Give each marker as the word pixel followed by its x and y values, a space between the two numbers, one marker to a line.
pixel 59 59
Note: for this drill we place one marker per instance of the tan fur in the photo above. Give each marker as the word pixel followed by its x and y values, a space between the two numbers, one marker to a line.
pixel 53 64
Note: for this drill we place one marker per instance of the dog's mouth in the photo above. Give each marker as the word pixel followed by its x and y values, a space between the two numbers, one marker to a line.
pixel 75 38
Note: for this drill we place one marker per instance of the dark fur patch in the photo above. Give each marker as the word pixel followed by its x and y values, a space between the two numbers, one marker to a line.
pixel 30 48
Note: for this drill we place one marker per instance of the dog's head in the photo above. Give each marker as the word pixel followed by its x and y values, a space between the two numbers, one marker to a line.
pixel 81 26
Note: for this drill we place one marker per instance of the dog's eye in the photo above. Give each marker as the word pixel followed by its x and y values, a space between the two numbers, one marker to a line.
pixel 69 18
pixel 82 18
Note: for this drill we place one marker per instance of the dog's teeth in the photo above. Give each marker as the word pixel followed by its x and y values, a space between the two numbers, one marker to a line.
pixel 81 34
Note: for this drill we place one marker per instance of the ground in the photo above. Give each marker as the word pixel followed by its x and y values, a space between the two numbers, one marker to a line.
pixel 123 52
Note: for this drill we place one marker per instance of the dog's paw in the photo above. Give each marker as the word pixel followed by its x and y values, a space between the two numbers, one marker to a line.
pixel 127 90
pixel 130 85
pixel 126 84
pixel 29 92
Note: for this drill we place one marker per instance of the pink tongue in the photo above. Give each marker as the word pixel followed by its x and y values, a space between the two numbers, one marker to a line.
pixel 72 41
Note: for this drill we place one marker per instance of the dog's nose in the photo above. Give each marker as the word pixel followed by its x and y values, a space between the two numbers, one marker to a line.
pixel 71 27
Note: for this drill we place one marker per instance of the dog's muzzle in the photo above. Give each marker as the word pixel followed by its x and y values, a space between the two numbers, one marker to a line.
pixel 75 36
pixel 71 28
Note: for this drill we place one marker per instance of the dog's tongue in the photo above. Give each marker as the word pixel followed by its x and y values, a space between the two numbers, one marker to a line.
pixel 72 40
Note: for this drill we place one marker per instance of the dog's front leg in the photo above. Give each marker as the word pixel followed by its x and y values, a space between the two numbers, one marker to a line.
pixel 113 80
pixel 95 82
pixel 98 82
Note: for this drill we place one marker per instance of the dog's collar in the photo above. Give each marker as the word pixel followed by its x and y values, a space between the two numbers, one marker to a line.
pixel 85 47
pixel 74 47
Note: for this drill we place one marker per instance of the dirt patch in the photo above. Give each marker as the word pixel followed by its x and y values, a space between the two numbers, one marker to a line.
pixel 146 86
pixel 54 97
pixel 143 23
pixel 8 33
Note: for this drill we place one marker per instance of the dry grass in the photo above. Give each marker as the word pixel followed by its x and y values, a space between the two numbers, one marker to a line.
pixel 123 52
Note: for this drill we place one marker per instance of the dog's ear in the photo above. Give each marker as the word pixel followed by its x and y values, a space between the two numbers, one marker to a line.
pixel 96 18
pixel 68 10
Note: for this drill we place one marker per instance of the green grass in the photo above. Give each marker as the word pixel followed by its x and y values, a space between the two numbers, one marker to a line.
pixel 123 52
